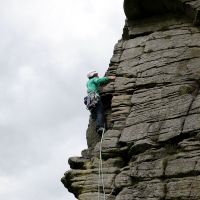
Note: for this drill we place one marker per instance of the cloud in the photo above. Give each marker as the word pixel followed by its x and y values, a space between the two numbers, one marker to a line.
pixel 47 47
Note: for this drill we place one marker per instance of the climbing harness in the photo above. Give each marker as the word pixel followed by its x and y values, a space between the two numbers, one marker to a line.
pixel 91 100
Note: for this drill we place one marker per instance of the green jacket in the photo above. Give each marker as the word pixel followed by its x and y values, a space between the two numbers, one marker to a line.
pixel 93 84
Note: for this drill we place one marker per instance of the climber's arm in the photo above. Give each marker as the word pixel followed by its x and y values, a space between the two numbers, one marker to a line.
pixel 104 80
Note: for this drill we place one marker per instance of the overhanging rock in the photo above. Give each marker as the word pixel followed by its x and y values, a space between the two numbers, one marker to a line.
pixel 135 9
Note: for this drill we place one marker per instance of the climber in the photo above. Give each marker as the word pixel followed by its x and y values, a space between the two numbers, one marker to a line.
pixel 93 100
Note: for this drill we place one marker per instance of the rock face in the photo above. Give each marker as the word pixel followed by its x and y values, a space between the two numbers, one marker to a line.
pixel 151 150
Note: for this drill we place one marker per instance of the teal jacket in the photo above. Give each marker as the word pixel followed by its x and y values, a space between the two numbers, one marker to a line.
pixel 93 84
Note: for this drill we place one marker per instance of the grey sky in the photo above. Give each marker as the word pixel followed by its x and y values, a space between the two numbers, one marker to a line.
pixel 47 47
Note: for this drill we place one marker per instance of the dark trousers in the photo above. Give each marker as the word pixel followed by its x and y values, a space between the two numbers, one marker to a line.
pixel 98 115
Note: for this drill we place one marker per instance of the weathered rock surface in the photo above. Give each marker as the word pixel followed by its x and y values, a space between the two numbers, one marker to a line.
pixel 151 150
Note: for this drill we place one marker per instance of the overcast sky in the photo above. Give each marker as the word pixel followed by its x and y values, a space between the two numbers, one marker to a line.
pixel 46 49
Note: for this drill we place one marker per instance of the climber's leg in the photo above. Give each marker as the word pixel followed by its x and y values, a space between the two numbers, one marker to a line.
pixel 100 117
pixel 94 114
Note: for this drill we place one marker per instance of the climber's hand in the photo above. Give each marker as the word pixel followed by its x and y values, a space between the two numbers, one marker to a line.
pixel 112 78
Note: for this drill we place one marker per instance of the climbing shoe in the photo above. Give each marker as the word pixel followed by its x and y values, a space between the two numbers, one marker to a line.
pixel 100 130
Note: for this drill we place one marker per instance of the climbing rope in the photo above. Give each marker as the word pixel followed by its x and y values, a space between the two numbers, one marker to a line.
pixel 101 178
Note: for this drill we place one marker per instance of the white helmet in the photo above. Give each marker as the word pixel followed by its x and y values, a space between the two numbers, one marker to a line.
pixel 90 74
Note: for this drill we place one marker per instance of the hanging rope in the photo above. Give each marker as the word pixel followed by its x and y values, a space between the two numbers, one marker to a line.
pixel 101 175
pixel 101 178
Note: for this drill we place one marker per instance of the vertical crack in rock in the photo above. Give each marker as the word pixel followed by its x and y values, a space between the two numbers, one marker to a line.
pixel 194 95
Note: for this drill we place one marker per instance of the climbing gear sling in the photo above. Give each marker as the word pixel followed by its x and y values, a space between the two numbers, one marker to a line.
pixel 91 100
